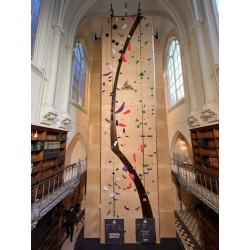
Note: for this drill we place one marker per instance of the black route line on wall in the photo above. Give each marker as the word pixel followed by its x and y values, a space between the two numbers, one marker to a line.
pixel 145 205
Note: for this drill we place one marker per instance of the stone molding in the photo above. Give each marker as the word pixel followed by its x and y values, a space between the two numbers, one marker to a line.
pixel 209 116
pixel 193 121
pixel 57 30
pixel 48 117
pixel 198 25
pixel 70 50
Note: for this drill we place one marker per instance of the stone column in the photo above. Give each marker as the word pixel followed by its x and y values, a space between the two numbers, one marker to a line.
pixel 210 109
pixel 48 113
pixel 176 194
pixel 194 116
pixel 64 115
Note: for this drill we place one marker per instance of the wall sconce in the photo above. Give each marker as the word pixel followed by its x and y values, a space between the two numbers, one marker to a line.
pixel 36 134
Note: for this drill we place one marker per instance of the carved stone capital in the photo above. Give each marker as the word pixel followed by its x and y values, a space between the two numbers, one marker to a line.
pixel 198 25
pixel 193 121
pixel 57 30
pixel 48 118
pixel 70 50
pixel 64 122
pixel 185 45
pixel 209 116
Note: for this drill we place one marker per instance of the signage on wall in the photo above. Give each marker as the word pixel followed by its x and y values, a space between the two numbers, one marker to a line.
pixel 114 230
pixel 145 230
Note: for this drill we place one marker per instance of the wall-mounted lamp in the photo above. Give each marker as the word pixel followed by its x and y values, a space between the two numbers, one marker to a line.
pixel 139 9
pixel 111 12
pixel 126 9
pixel 36 134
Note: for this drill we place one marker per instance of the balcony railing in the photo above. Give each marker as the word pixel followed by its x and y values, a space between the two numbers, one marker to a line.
pixel 46 194
pixel 198 182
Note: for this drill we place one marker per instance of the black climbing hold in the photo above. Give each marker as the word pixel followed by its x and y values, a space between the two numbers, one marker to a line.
pixel 114 26
pixel 120 60
pixel 116 43
pixel 120 51
pixel 123 130
pixel 107 34
pixel 116 122
pixel 113 41
pixel 123 18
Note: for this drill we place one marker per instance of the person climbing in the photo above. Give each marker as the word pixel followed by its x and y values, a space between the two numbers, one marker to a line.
pixel 71 220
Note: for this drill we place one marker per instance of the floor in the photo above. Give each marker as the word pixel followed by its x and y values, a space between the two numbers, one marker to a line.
pixel 187 226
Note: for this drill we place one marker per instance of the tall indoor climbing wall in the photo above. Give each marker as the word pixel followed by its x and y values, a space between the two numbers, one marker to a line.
pixel 129 111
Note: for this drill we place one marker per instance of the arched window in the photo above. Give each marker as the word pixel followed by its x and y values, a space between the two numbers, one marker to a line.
pixel 79 76
pixel 35 10
pixel 175 77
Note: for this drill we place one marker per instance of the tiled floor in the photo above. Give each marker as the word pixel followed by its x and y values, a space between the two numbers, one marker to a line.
pixel 187 225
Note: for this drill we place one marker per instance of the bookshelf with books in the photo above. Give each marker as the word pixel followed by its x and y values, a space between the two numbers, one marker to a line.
pixel 205 146
pixel 48 149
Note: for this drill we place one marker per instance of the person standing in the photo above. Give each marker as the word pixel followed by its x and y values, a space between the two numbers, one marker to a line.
pixel 71 220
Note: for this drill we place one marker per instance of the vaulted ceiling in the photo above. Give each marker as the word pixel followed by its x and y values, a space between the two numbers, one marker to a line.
pixel 82 18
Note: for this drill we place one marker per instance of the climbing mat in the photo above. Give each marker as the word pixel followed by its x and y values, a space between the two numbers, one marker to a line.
pixel 129 187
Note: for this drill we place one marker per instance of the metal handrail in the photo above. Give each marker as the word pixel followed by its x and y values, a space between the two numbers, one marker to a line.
pixel 202 184
pixel 47 193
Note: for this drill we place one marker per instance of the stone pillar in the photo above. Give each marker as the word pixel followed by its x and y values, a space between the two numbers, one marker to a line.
pixel 176 194
pixel 64 115
pixel 210 109
pixel 48 113
pixel 194 116
pixel 92 212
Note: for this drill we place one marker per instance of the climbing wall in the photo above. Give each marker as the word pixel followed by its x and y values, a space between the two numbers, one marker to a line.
pixel 135 123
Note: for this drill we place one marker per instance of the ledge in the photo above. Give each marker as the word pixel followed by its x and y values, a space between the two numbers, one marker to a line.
pixel 179 103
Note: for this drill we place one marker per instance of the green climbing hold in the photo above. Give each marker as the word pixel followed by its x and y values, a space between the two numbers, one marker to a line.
pixel 137 208
pixel 141 179
pixel 146 194
pixel 147 24
pixel 146 42
pixel 141 74
pixel 141 77
pixel 145 145
pixel 133 56
pixel 143 111
pixel 135 189
pixel 152 88
pixel 138 126
pixel 149 135
pixel 150 155
pixel 141 33
pixel 140 175
pixel 145 165
pixel 137 61
pixel 152 95
pixel 140 101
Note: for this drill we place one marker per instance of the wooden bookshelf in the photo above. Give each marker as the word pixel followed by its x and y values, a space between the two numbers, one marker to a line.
pixel 205 146
pixel 48 149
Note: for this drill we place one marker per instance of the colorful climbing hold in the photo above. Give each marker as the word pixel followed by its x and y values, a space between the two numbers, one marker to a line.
pixel 124 58
pixel 129 46
pixel 150 155
pixel 144 199
pixel 137 208
pixel 126 112
pixel 138 126
pixel 141 148
pixel 137 61
pixel 132 176
pixel 134 156
pixel 122 125
pixel 149 135
pixel 141 74
pixel 145 165
pixel 129 185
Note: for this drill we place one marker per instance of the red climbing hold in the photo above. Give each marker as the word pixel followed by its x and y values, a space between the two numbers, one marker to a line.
pixel 129 46
pixel 141 148
pixel 129 186
pixel 133 17
pixel 134 156
pixel 124 58
pixel 144 199
pixel 122 125
pixel 126 112
pixel 132 176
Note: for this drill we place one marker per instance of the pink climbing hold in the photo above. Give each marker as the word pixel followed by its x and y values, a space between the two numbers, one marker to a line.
pixel 144 199
pixel 132 176
pixel 122 125
pixel 126 112
pixel 129 186
pixel 141 148
pixel 134 156
pixel 124 58
pixel 129 46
